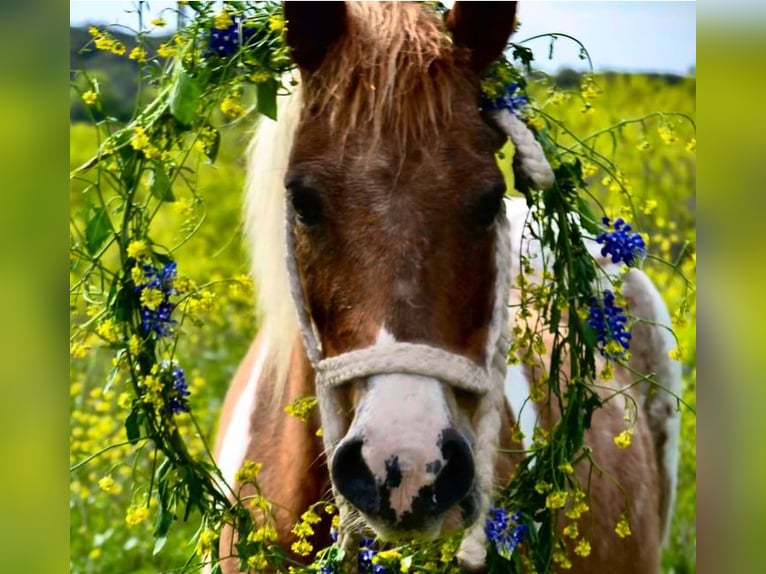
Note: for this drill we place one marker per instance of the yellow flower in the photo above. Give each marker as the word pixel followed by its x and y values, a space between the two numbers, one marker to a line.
pixel 124 401
pixel 108 331
pixel 691 145
pixel 623 439
pixel 205 543
pixel 151 298
pixel 649 206
pixel 310 517
pixel 222 20
pixel 589 168
pixel 231 107
pixel 136 514
pixel 104 42
pixel 561 559
pixel 578 507
pixel 276 23
pixel 137 249
pixel 95 554
pixel 166 51
pixel 566 467
pixel 90 97
pixel 138 54
pixel 263 534
pixel 134 345
pixel 301 408
pixel 607 373
pixel 571 531
pixel 676 354
pixel 139 140
pixel 582 548
pixel 623 528
pixel 248 472
pixel 258 562
pixel 152 152
pixel 536 122
pixel 137 275
pixel 302 530
pixel 118 48
pixel 302 547
pixel 159 22
pixel 556 499
pixel 107 484
pixel 93 31
pixel 587 110
pixel 667 134
pixel 77 350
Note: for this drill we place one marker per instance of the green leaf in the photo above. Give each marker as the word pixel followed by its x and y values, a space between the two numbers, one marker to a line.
pixel 97 230
pixel 267 99
pixel 159 184
pixel 133 425
pixel 184 98
pixel 161 529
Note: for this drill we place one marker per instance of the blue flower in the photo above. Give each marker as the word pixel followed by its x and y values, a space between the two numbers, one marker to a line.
pixel 608 321
pixel 179 402
pixel 504 532
pixel 511 100
pixel 366 554
pixel 159 320
pixel 621 244
pixel 226 42
pixel 326 569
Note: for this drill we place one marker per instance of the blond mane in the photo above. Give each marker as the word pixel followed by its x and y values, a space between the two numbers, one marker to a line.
pixel 264 215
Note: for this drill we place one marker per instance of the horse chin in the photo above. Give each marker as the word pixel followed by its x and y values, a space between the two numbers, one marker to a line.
pixel 430 531
pixel 459 517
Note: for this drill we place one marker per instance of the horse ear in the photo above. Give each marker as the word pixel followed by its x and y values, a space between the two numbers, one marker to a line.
pixel 483 28
pixel 311 28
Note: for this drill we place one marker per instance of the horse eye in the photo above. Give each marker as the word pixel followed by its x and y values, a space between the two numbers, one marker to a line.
pixel 306 203
pixel 487 208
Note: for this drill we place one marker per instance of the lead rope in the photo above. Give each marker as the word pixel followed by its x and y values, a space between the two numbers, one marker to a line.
pixel 485 381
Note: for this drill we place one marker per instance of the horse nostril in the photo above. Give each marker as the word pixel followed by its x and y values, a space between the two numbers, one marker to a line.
pixel 353 478
pixel 456 478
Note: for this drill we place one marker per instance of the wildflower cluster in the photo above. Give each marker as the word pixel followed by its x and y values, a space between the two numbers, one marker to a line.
pixel 154 287
pixel 512 99
pixel 367 558
pixel 621 245
pixel 505 532
pixel 228 35
pixel 609 321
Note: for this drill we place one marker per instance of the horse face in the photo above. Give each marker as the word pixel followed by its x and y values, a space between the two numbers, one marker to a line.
pixel 395 241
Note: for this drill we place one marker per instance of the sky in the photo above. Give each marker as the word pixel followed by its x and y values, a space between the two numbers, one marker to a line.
pixel 619 35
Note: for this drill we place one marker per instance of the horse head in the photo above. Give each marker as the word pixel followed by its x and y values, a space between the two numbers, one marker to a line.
pixel 393 200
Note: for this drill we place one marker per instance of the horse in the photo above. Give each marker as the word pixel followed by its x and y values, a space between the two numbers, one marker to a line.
pixel 383 244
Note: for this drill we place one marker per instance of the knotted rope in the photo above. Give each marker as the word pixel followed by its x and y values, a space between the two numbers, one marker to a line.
pixel 486 381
